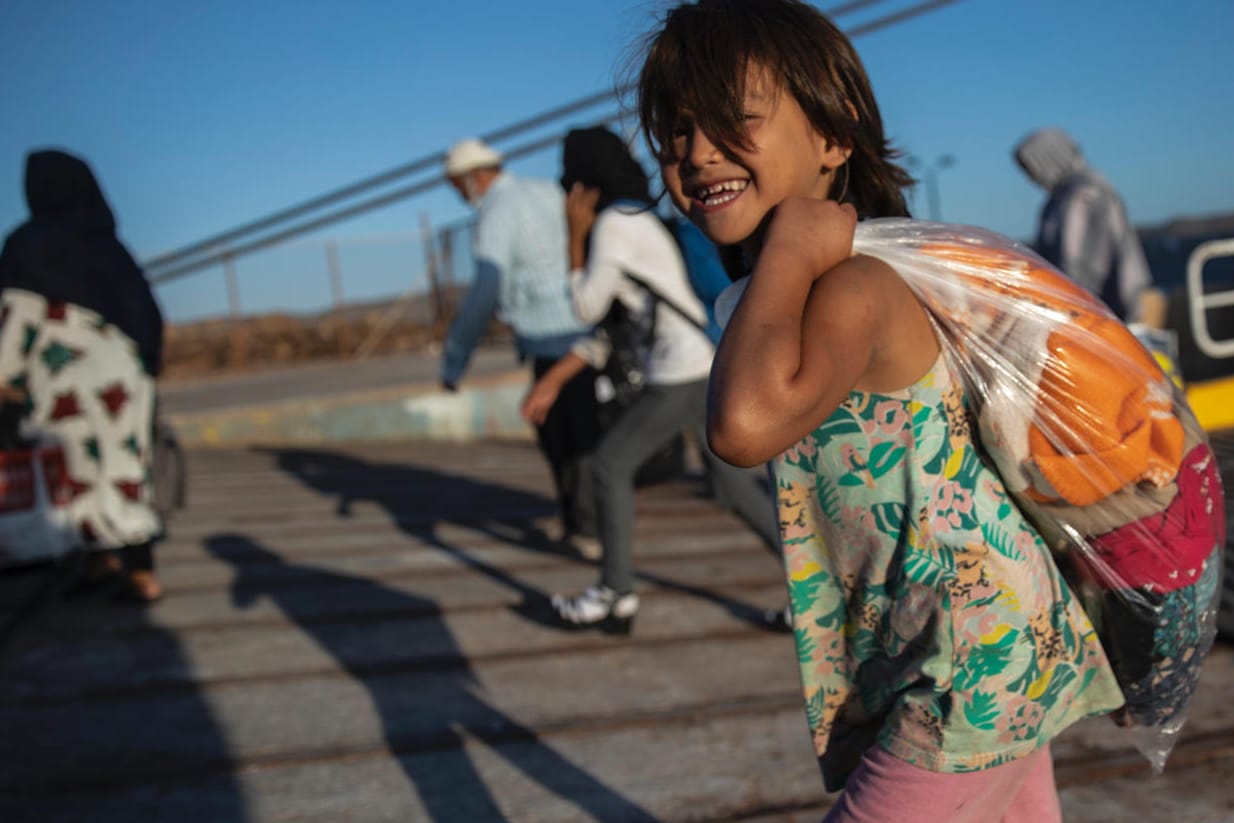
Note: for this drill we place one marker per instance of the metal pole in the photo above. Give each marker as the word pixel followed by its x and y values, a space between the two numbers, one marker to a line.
pixel 431 268
pixel 401 305
pixel 233 289
pixel 930 179
pixel 446 244
pixel 932 193
pixel 238 342
pixel 338 323
pixel 336 274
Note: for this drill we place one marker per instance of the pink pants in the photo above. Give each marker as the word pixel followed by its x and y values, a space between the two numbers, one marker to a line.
pixel 885 788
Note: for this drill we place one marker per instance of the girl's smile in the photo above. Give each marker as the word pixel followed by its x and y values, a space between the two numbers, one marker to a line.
pixel 729 191
pixel 718 195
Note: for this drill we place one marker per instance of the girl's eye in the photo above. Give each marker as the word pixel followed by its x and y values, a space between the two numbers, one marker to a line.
pixel 673 148
pixel 680 135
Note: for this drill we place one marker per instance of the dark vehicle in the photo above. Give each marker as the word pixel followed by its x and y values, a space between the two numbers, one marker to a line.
pixel 1201 315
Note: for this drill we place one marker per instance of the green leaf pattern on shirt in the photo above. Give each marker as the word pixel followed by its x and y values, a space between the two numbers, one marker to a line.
pixel 923 601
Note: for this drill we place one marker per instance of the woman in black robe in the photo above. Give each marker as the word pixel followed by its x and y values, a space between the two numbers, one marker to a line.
pixel 80 344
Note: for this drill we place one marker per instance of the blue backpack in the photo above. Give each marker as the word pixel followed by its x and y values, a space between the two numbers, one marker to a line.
pixel 703 267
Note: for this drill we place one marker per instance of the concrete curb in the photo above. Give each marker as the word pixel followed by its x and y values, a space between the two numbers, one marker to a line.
pixel 486 407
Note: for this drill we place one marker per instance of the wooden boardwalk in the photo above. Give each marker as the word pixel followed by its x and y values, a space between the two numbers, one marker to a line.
pixel 358 635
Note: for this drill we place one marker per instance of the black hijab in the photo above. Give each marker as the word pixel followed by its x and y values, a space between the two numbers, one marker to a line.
pixel 68 252
pixel 597 158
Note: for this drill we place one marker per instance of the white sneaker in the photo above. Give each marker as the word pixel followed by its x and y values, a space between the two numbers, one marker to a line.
pixel 598 607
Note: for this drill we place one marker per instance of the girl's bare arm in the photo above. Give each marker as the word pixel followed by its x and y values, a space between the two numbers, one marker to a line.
pixel 802 337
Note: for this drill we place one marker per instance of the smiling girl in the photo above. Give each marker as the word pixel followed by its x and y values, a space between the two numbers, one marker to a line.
pixel 937 663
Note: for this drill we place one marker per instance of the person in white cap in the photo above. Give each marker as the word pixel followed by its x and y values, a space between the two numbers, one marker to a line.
pixel 521 277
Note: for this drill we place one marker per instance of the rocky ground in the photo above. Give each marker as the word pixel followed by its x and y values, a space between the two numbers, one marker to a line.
pixel 225 345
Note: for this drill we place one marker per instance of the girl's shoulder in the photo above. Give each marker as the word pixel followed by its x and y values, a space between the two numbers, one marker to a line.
pixel 869 266
pixel 904 343
pixel 864 287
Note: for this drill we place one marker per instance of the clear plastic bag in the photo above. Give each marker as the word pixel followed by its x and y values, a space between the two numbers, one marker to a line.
pixel 1095 443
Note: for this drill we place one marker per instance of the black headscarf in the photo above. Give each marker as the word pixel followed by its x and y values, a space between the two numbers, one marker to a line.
pixel 597 158
pixel 68 252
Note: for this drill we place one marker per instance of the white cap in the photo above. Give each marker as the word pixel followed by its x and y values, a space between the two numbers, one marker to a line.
pixel 470 154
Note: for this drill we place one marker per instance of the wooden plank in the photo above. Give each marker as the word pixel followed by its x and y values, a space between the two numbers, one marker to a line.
pixel 380 663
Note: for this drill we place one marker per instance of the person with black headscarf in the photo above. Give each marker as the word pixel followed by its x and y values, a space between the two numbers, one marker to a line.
pixel 80 345
pixel 615 237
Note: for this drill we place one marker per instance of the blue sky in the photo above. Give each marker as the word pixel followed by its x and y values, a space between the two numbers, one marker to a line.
pixel 200 117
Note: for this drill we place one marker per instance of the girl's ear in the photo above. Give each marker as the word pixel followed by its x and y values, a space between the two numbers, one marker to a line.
pixel 833 155
pixel 847 171
pixel 833 162
pixel 836 155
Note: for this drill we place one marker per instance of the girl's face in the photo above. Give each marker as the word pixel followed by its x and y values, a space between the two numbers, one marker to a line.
pixel 730 194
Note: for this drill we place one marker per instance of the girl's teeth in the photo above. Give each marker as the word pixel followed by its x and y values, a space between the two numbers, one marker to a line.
pixel 722 193
pixel 721 198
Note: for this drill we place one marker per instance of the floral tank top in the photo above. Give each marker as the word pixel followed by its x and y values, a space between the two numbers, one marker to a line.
pixel 929 617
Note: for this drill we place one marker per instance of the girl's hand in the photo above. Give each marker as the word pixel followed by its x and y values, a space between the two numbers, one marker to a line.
pixel 539 401
pixel 581 210
pixel 814 234
pixel 800 338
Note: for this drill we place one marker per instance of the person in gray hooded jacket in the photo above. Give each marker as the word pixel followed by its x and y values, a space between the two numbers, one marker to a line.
pixel 1083 228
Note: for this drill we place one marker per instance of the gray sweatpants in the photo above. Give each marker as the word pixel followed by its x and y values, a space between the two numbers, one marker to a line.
pixel 659 414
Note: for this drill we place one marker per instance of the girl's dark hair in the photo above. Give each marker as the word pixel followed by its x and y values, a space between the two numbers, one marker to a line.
pixel 697 60
pixel 599 159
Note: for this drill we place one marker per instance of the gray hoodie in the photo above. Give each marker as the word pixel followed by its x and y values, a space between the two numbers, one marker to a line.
pixel 1084 228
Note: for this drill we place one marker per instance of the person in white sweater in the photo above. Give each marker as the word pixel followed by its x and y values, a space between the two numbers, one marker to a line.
pixel 613 236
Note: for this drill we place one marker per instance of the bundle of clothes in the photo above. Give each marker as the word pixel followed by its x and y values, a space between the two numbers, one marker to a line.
pixel 1095 442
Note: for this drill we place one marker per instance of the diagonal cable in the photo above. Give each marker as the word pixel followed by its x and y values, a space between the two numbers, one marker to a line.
pixel 207 253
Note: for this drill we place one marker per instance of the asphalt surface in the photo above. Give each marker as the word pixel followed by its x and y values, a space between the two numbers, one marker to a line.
pixel 320 379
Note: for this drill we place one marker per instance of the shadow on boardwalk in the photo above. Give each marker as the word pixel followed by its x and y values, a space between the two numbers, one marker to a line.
pixel 446 711
pixel 71 753
pixel 420 500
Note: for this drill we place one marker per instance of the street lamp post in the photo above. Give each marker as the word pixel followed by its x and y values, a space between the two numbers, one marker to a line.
pixel 930 176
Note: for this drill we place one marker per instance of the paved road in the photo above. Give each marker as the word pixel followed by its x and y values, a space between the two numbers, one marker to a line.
pixel 352 635
pixel 322 379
